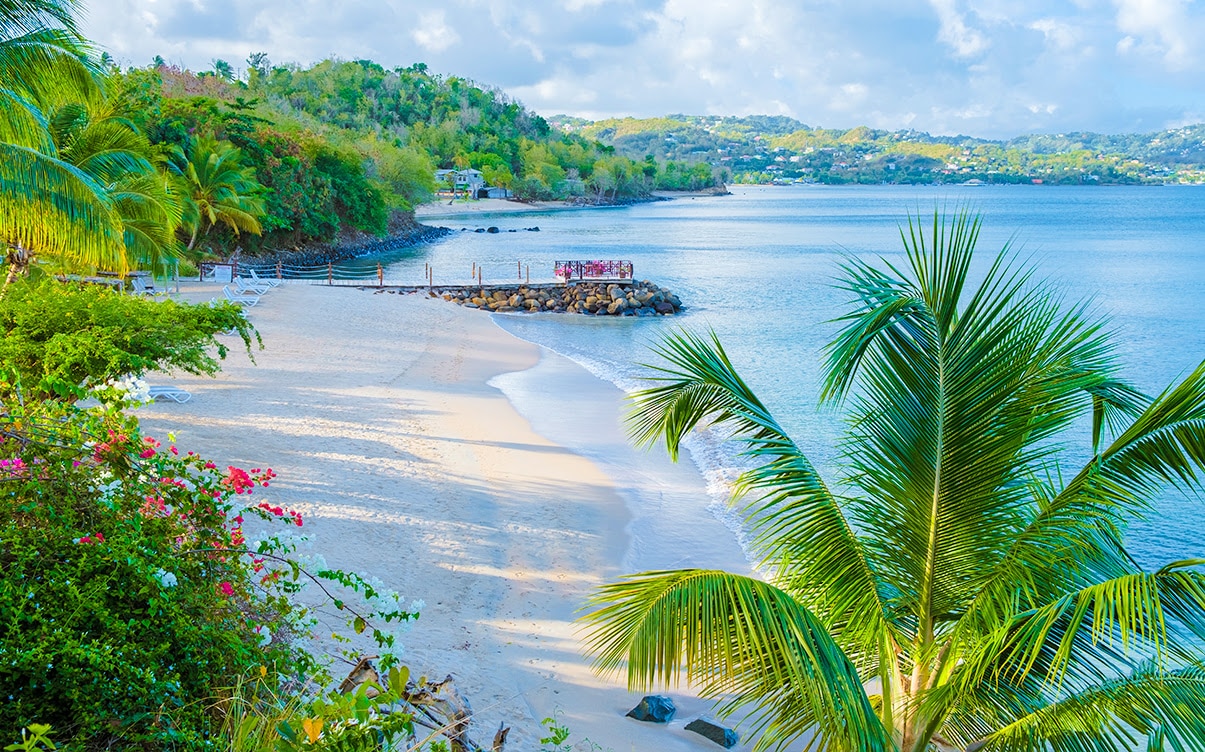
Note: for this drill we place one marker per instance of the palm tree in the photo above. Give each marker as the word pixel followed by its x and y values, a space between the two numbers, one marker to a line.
pixel 221 189
pixel 964 584
pixel 98 139
pixel 46 205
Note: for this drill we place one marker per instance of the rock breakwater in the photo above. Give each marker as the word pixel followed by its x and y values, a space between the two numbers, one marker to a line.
pixel 634 298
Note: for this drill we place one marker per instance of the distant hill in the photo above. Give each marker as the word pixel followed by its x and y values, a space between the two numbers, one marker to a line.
pixel 764 149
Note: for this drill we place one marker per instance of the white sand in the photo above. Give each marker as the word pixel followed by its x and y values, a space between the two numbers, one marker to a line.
pixel 469 207
pixel 375 412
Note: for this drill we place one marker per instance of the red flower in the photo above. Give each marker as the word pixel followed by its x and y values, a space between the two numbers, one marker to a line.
pixel 226 588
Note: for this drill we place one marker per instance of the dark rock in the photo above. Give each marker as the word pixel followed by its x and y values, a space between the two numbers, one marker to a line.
pixel 492 229
pixel 725 737
pixel 533 229
pixel 479 229
pixel 663 307
pixel 654 709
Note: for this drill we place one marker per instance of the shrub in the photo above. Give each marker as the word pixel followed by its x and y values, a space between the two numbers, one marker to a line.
pixel 62 339
pixel 130 601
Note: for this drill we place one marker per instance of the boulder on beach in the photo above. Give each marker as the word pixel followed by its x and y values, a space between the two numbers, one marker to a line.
pixel 654 709
pixel 721 735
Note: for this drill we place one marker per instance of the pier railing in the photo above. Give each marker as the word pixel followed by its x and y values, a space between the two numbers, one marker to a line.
pixel 566 271
pixel 353 274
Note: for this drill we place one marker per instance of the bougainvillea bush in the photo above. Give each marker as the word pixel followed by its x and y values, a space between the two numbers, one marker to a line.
pixel 131 601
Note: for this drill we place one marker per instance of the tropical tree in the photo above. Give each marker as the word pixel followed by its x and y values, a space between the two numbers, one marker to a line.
pixel 965 582
pixel 97 138
pixel 221 190
pixel 46 205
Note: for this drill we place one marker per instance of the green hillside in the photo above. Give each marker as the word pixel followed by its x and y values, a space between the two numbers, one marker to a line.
pixel 780 149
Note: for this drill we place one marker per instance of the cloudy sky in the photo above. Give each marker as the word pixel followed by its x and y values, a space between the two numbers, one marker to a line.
pixel 993 68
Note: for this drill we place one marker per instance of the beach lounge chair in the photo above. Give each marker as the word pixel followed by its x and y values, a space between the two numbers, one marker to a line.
pixel 140 286
pixel 172 393
pixel 247 286
pixel 244 300
pixel 269 281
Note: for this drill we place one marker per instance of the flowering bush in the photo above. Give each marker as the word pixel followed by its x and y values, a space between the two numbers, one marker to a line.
pixel 130 598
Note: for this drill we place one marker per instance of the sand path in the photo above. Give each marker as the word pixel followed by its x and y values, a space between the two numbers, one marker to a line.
pixel 375 412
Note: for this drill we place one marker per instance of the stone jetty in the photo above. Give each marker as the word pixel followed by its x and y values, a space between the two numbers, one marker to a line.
pixel 638 298
pixel 626 298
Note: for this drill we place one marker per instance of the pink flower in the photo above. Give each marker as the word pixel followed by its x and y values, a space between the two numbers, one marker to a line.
pixel 226 588
pixel 146 454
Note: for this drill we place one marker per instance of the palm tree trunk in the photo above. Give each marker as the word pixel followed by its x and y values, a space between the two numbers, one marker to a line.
pixel 18 260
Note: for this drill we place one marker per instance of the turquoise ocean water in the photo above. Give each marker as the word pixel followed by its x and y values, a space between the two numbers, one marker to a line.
pixel 758 268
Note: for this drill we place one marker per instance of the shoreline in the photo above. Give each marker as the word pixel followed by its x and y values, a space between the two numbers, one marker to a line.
pixel 473 207
pixel 420 441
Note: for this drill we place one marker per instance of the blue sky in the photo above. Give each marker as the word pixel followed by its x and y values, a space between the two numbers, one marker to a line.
pixel 992 68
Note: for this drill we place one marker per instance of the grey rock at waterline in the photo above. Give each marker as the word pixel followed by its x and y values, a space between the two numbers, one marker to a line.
pixel 654 709
pixel 721 735
pixel 492 229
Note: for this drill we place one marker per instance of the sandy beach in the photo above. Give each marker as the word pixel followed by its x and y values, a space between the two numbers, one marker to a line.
pixel 467 207
pixel 386 421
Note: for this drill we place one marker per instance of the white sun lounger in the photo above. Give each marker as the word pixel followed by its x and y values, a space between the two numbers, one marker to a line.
pixel 245 285
pixel 270 282
pixel 173 393
pixel 243 300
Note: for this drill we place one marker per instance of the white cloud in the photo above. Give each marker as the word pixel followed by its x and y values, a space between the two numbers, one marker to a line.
pixel 1058 34
pixel 1160 27
pixel 954 32
pixel 433 32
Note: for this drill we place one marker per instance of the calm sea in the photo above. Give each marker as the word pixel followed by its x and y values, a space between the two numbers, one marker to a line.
pixel 758 267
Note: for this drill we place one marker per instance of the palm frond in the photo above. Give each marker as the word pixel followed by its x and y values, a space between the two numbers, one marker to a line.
pixel 23 124
pixel 958 395
pixel 736 637
pixel 1167 707
pixel 52 208
pixel 799 529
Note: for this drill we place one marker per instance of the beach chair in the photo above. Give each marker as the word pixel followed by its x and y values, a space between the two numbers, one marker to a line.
pixel 139 286
pixel 244 300
pixel 269 281
pixel 175 394
pixel 247 286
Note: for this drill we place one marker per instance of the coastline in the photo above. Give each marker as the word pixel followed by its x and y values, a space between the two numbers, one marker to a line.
pixel 473 207
pixel 466 467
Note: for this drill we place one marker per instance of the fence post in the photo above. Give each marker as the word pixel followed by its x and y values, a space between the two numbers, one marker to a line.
pixel 380 275
pixel 330 273
pixel 278 270
pixel 474 274
pixel 529 274
pixel 519 270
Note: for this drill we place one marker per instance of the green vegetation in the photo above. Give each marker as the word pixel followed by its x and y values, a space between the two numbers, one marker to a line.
pixel 780 149
pixel 63 340
pixel 965 569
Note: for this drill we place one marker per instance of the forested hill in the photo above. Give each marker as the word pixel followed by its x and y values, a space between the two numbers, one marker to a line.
pixel 781 149
pixel 341 147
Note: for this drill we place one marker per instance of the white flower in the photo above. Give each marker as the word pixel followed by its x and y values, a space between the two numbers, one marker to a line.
pixel 166 579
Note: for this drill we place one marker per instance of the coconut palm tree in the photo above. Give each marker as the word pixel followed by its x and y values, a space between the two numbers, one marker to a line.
pixel 221 189
pixel 46 205
pixel 964 583
pixel 97 138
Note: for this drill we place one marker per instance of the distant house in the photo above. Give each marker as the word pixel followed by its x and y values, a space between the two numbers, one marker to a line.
pixel 471 181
